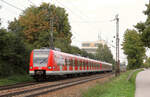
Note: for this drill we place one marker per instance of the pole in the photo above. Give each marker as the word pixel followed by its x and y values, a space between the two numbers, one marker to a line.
pixel 51 42
pixel 51 34
pixel 117 67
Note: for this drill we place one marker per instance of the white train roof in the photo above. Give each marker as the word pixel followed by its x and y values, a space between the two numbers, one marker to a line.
pixel 71 55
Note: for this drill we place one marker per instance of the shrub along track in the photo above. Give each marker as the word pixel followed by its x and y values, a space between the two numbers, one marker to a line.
pixel 42 88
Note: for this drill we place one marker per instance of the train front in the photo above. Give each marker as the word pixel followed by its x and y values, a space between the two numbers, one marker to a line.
pixel 40 61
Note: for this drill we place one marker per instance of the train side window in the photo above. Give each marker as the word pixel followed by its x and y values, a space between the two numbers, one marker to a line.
pixel 78 62
pixel 90 64
pixel 70 62
pixel 73 61
pixel 87 64
pixel 65 61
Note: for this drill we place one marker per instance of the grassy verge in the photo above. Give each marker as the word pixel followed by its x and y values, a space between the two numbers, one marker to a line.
pixel 15 79
pixel 116 87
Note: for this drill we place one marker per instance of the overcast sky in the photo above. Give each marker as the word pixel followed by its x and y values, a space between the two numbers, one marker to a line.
pixel 88 17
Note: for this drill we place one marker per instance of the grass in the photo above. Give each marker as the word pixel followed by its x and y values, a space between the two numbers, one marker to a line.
pixel 15 79
pixel 115 87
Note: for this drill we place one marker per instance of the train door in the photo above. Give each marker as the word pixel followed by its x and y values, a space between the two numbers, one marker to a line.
pixel 65 65
pixel 87 65
pixel 83 65
pixel 61 63
pixel 73 64
pixel 78 65
pixel 68 63
pixel 100 66
pixel 56 65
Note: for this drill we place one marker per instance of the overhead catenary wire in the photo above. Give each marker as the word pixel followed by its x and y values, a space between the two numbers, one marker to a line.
pixel 79 10
pixel 11 5
pixel 69 9
pixel 31 2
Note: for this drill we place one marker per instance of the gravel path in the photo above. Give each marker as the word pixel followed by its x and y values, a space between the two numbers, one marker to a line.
pixel 143 84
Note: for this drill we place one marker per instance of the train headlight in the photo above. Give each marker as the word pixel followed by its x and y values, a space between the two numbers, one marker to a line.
pixel 49 67
pixel 31 67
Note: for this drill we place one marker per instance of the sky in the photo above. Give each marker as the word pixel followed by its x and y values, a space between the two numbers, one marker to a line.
pixel 88 18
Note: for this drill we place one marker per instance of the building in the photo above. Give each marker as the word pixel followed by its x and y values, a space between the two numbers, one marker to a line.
pixel 91 46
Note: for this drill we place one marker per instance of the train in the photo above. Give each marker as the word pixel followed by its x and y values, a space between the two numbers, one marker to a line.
pixel 46 63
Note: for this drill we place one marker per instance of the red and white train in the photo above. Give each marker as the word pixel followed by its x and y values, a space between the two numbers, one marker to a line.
pixel 47 62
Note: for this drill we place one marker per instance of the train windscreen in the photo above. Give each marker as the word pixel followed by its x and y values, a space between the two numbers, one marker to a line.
pixel 40 58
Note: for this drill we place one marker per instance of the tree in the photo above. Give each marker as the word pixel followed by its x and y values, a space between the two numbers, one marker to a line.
pixel 35 27
pixel 133 48
pixel 147 63
pixel 103 53
pixel 144 28
pixel 14 54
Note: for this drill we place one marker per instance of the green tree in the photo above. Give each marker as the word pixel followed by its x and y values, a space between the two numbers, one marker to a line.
pixel 133 48
pixel 147 63
pixel 14 54
pixel 103 53
pixel 34 26
pixel 144 28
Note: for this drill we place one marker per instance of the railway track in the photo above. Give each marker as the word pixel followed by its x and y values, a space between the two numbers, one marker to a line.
pixel 40 89
pixel 17 85
pixel 23 84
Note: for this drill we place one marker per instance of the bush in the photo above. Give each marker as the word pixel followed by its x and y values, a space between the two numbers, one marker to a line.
pixel 14 54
